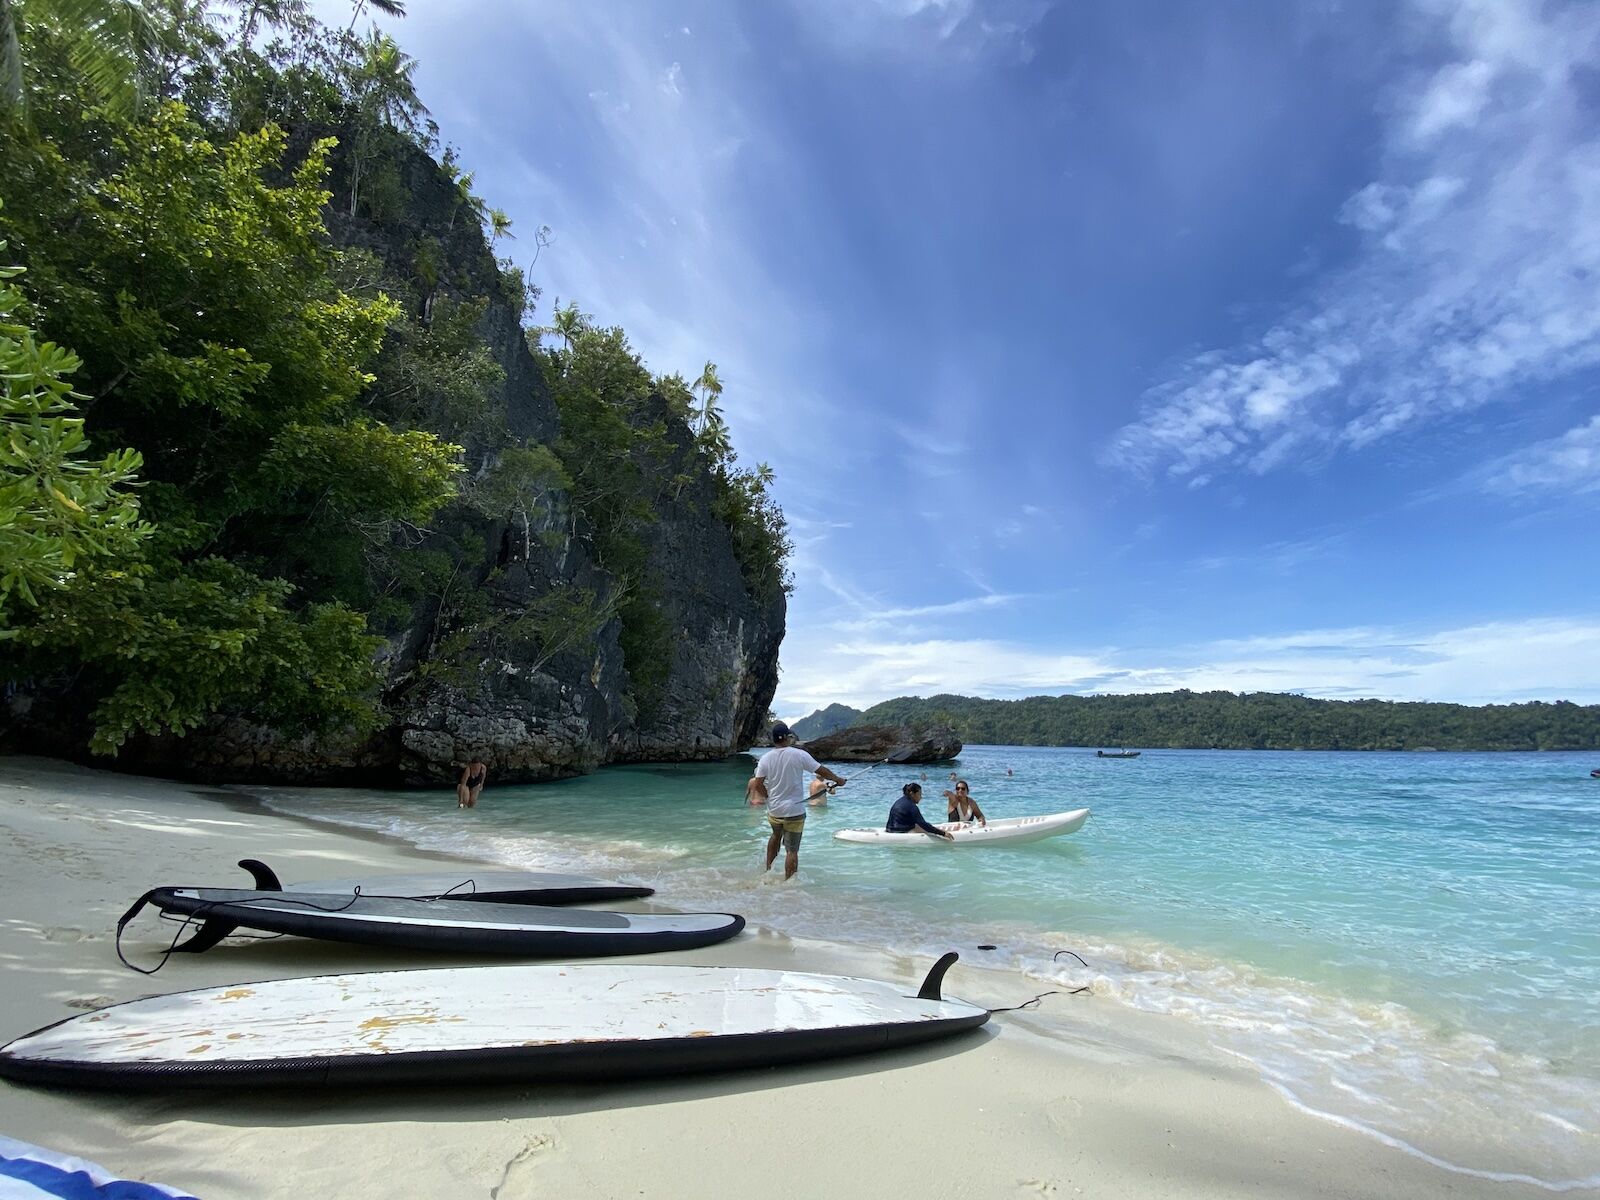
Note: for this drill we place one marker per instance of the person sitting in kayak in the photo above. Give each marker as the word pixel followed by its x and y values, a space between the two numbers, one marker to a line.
pixel 905 816
pixel 962 807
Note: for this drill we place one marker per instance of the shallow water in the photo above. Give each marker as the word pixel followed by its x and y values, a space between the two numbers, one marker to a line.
pixel 1409 943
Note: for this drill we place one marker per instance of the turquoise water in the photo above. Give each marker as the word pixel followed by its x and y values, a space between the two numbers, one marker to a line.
pixel 1409 943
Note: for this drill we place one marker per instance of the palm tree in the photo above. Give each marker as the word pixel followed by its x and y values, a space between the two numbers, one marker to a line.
pixel 381 85
pixel 709 385
pixel 499 226
pixel 386 84
pixel 111 46
pixel 714 439
pixel 464 198
pixel 568 322
pixel 389 8
pixel 273 12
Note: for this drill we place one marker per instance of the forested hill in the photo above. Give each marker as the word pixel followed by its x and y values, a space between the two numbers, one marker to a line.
pixel 355 502
pixel 1249 721
pixel 825 721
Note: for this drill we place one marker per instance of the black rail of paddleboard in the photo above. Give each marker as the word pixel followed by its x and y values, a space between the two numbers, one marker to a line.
pixel 560 1063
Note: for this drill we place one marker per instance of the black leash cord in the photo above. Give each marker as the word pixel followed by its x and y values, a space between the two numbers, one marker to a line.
pixel 203 912
pixel 1077 991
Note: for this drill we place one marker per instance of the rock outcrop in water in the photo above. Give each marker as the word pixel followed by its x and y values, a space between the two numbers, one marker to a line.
pixel 874 743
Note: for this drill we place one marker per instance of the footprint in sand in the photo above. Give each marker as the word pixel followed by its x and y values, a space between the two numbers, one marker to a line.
pixel 68 935
pixel 90 1002
pixel 1064 1113
pixel 514 1181
pixel 1037 1187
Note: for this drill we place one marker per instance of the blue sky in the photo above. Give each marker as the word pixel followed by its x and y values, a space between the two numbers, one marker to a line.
pixel 1100 346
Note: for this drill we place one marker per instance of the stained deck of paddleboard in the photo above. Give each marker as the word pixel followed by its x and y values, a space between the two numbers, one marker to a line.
pixel 1000 831
pixel 454 1010
pixel 269 910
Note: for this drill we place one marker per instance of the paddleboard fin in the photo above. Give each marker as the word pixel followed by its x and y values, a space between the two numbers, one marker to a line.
pixel 208 935
pixel 266 878
pixel 930 985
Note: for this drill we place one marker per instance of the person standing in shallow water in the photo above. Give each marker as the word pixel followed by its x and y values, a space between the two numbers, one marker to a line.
pixel 779 783
pixel 473 777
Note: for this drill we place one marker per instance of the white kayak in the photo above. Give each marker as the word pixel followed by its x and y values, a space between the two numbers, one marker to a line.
pixel 1007 831
pixel 553 1024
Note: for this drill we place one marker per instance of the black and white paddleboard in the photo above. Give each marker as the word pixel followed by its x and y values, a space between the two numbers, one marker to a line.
pixel 494 887
pixel 533 930
pixel 548 1023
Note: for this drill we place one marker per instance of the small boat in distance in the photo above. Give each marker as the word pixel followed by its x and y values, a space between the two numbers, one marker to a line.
pixel 1118 753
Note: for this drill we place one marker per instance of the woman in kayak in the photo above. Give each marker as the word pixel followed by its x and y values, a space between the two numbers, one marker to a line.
pixel 904 816
pixel 961 806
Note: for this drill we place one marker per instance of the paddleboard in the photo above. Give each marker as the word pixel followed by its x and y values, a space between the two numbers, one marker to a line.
pixel 1007 831
pixel 548 1023
pixel 449 925
pixel 466 883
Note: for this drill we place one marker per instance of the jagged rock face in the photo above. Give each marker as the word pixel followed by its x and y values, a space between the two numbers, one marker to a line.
pixel 569 717
pixel 874 743
pixel 724 641
pixel 528 721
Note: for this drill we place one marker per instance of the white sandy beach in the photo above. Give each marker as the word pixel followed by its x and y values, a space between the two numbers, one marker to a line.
pixel 1082 1097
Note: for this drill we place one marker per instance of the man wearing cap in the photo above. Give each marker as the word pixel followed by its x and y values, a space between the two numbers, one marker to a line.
pixel 780 784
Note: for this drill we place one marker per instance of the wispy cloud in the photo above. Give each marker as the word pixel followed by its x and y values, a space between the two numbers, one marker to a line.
pixel 955 28
pixel 1479 248
pixel 1568 464
pixel 1492 662
pixel 1279 557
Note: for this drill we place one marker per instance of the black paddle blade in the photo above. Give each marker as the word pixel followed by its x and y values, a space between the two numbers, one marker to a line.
pixel 930 985
pixel 904 754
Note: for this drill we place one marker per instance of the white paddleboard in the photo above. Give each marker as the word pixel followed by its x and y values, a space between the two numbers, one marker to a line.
pixel 1003 831
pixel 554 1022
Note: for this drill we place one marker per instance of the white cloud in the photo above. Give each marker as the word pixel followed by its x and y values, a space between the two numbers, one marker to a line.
pixel 1454 98
pixel 1568 464
pixel 1480 247
pixel 1495 662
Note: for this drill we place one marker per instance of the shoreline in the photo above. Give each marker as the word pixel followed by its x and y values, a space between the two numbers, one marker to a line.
pixel 1081 1094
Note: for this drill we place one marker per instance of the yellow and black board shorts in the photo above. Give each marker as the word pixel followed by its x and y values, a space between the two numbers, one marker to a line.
pixel 790 827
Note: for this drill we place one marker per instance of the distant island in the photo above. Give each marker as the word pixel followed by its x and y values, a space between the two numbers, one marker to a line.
pixel 1247 721
pixel 825 721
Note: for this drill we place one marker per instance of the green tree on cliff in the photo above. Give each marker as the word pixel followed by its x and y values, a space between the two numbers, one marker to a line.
pixel 58 507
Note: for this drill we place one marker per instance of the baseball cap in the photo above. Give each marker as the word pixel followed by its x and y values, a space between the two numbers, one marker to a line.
pixel 780 732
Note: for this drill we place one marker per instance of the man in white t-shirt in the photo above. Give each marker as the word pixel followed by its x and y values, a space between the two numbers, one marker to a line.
pixel 780 784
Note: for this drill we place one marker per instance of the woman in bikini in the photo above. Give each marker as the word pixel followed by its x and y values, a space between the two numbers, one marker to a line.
pixel 961 806
pixel 471 783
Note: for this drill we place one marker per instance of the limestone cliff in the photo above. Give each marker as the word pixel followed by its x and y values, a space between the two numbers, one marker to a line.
pixel 533 707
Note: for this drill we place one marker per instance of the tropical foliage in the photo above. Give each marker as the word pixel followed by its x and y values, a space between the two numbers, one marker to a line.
pixel 59 509
pixel 276 288
pixel 1249 721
